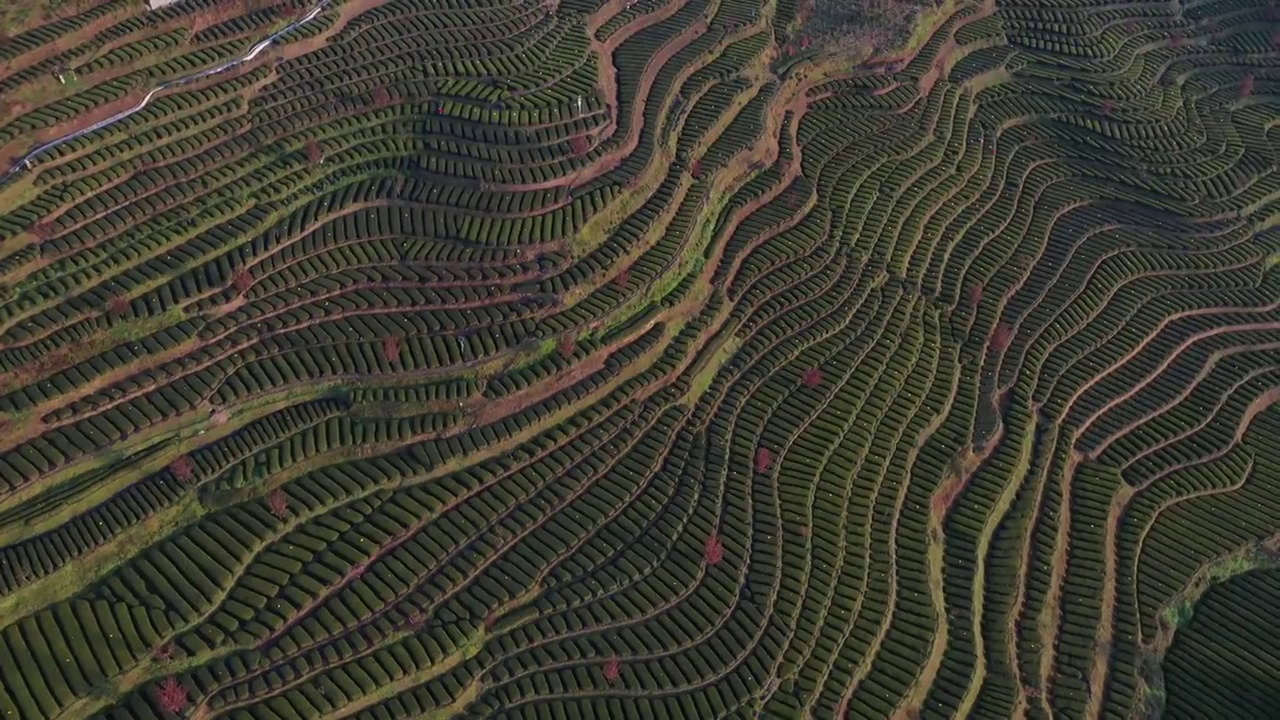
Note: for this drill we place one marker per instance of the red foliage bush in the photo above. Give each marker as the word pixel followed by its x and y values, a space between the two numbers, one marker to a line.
pixel 567 346
pixel 764 459
pixel 183 468
pixel 44 229
pixel 118 304
pixel 315 154
pixel 1246 85
pixel 381 97
pixel 974 295
pixel 171 696
pixel 391 348
pixel 278 503
pixel 242 281
pixel 1107 107
pixel 613 670
pixel 812 377
pixel 580 145
pixel 1001 337
pixel 713 551
pixel 695 169
pixel 623 277
pixel 163 652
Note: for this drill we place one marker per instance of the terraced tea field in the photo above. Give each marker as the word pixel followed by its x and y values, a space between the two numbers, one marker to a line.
pixel 639 359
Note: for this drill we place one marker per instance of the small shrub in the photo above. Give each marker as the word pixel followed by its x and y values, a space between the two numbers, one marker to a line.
pixel 242 281
pixel 713 551
pixel 171 696
pixel 45 229
pixel 391 348
pixel 567 346
pixel 183 468
pixel 1246 85
pixel 812 377
pixel 278 503
pixel 612 670
pixel 764 459
pixel 1001 337
pixel 315 154
pixel 974 295
pixel 163 652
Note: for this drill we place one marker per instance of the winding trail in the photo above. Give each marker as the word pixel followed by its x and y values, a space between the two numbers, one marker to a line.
pixel 25 162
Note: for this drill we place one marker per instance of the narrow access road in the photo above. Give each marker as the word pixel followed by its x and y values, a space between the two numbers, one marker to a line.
pixel 28 160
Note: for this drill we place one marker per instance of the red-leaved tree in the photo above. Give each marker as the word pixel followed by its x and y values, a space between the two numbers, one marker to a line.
pixel 163 652
pixel 695 169
pixel 278 503
pixel 1107 107
pixel 315 154
pixel 1246 85
pixel 612 670
pixel 579 144
pixel 623 277
pixel 974 295
pixel 242 281
pixel 381 97
pixel 812 377
pixel 171 696
pixel 567 346
pixel 44 229
pixel 391 348
pixel 764 459
pixel 713 551
pixel 183 468
pixel 118 304
pixel 1001 337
